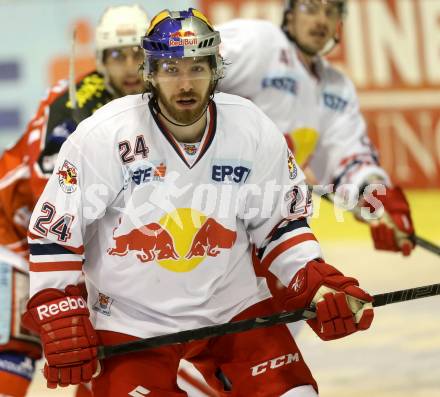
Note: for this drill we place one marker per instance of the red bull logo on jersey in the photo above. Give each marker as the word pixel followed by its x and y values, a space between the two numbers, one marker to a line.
pixel 182 38
pixel 179 242
pixel 211 238
pixel 68 177
pixel 150 242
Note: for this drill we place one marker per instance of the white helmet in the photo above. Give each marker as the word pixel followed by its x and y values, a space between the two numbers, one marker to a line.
pixel 119 26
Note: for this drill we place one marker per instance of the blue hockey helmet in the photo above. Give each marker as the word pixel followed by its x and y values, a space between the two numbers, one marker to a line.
pixel 181 34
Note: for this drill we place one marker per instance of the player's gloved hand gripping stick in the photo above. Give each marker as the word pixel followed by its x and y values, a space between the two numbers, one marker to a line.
pixel 341 307
pixel 394 230
pixel 254 323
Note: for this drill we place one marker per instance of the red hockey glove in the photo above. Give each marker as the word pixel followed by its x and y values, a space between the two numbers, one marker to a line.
pixel 67 335
pixel 341 306
pixel 394 231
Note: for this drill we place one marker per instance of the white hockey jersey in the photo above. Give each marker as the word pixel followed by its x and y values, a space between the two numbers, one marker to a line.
pixel 164 241
pixel 320 116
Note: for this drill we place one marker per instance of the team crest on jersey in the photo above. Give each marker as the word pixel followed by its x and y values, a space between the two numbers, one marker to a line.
pixel 293 172
pixel 103 304
pixel 68 177
pixel 190 149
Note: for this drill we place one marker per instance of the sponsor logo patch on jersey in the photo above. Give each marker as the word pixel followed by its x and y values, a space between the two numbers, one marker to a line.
pixel 103 304
pixel 335 102
pixel 149 173
pixel 230 171
pixel 68 177
pixel 293 172
pixel 282 83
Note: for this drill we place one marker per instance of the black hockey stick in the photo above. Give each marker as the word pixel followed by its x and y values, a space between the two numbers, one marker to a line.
pixel 421 242
pixel 253 323
pixel 427 245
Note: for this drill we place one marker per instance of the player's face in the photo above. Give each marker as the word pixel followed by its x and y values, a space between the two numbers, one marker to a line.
pixel 122 66
pixel 183 87
pixel 313 23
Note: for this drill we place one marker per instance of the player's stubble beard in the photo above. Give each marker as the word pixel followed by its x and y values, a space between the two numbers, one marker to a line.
pixel 184 116
pixel 309 49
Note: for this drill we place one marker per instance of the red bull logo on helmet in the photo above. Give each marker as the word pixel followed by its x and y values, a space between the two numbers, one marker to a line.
pixel 183 38
pixel 180 241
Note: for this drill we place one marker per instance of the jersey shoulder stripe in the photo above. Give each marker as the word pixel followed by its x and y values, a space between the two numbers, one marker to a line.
pixel 53 249
pixel 55 266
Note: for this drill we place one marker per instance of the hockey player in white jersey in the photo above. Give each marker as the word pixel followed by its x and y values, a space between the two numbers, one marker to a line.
pixel 156 199
pixel 314 105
